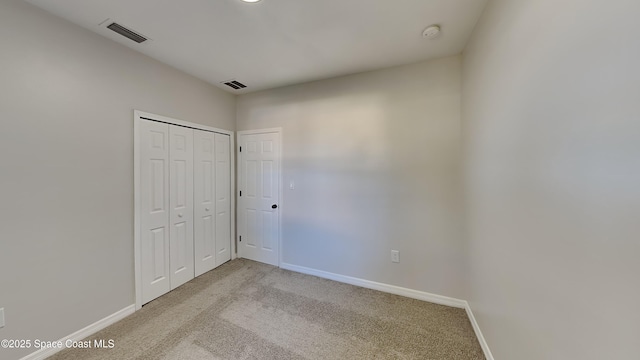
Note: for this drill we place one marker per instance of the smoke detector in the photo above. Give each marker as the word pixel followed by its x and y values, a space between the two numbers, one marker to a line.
pixel 431 32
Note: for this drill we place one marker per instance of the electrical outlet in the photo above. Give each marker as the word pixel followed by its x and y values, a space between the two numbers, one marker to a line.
pixel 292 185
pixel 395 256
pixel 1 317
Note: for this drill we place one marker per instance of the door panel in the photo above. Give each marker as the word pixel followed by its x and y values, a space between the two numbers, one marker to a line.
pixel 159 253
pixel 267 179
pixel 204 173
pixel 223 198
pixel 259 224
pixel 154 213
pixel 267 233
pixel 250 185
pixel 181 205
pixel 251 237
pixel 208 226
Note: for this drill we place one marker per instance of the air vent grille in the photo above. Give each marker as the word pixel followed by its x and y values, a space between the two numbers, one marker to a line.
pixel 236 85
pixel 127 33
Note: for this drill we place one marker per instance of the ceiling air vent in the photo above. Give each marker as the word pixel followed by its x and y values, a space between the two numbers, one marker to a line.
pixel 127 33
pixel 235 84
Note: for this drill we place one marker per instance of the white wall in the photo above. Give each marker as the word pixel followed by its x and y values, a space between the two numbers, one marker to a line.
pixel 375 158
pixel 551 123
pixel 66 152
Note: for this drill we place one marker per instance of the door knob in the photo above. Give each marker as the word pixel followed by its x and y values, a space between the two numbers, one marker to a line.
pixel 179 215
pixel 206 209
pixel 274 206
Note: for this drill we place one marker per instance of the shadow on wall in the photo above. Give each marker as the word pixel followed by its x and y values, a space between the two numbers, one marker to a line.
pixel 337 221
pixel 375 161
pixel 366 185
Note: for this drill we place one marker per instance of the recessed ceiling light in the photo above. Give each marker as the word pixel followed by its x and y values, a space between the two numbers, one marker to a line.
pixel 250 1
pixel 431 32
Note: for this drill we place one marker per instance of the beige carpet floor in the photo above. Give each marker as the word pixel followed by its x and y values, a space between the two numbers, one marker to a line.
pixel 249 310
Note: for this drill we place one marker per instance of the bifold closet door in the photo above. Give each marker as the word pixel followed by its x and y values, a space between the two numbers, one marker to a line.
pixel 204 198
pixel 185 204
pixel 212 156
pixel 223 198
pixel 181 205
pixel 154 209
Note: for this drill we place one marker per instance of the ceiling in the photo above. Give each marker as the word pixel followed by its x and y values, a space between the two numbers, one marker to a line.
pixel 274 43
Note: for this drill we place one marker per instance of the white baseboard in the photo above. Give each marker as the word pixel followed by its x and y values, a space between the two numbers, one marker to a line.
pixel 392 289
pixel 476 329
pixel 83 333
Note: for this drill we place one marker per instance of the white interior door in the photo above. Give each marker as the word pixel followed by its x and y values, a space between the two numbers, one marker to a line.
pixel 154 209
pixel 259 230
pixel 223 198
pixel 181 205
pixel 204 193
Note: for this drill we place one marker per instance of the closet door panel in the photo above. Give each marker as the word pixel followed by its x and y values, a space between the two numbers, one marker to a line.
pixel 223 198
pixel 154 205
pixel 181 205
pixel 204 199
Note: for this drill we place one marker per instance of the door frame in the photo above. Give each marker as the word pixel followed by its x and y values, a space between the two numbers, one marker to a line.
pixel 277 130
pixel 139 116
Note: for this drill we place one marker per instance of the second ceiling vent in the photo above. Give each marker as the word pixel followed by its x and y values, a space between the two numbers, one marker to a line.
pixel 234 84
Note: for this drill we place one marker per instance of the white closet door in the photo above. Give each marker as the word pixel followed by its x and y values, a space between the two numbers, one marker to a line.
pixel 154 205
pixel 181 204
pixel 204 193
pixel 223 198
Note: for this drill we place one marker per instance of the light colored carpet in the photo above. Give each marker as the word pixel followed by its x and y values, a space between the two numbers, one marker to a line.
pixel 249 310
